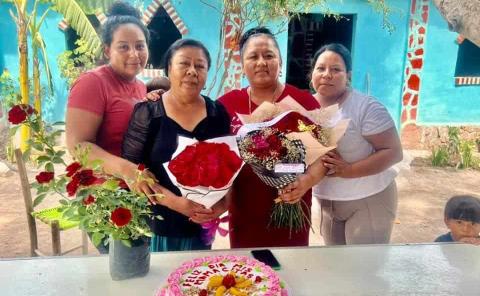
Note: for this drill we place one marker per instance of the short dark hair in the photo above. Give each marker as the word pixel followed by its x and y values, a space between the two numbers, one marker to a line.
pixel 337 48
pixel 158 83
pixel 121 13
pixel 463 207
pixel 255 32
pixel 181 43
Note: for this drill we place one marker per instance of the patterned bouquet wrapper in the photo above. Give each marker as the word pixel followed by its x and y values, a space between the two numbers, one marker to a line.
pixel 207 196
pixel 275 179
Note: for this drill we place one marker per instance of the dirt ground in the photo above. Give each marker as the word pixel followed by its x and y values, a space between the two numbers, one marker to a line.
pixel 423 191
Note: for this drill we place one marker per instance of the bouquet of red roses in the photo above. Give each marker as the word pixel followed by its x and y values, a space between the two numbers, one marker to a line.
pixel 204 170
pixel 280 141
pixel 276 160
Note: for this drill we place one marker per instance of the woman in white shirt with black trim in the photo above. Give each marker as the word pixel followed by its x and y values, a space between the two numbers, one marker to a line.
pixel 359 197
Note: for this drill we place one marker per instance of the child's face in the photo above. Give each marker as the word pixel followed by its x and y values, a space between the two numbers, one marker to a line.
pixel 462 229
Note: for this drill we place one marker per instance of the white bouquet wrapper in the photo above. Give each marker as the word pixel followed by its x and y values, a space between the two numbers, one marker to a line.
pixel 207 196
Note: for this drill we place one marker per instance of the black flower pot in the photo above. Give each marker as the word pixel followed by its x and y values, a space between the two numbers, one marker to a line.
pixel 129 262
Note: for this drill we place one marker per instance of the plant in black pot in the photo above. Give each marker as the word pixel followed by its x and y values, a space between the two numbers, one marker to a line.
pixel 105 207
pixel 101 204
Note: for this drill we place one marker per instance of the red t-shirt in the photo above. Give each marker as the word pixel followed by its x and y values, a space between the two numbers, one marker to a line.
pixel 252 200
pixel 108 95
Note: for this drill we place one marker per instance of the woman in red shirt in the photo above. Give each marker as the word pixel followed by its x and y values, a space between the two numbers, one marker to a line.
pixel 101 101
pixel 251 200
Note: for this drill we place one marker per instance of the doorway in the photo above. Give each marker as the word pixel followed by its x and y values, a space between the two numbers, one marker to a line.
pixel 163 33
pixel 306 34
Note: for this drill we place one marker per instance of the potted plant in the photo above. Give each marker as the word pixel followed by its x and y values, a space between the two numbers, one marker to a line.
pixel 102 204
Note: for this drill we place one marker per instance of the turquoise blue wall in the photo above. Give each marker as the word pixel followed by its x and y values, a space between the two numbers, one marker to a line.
pixel 441 102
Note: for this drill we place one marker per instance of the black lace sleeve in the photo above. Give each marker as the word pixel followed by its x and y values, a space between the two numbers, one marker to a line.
pixel 133 146
pixel 224 118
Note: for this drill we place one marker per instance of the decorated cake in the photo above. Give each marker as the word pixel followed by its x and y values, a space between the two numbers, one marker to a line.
pixel 223 275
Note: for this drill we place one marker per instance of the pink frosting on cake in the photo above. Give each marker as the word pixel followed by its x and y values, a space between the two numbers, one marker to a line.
pixel 197 272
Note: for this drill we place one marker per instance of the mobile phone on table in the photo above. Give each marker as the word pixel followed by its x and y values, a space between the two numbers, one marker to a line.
pixel 266 256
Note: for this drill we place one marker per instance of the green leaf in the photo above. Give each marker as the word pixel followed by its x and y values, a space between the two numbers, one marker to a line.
pixel 70 212
pixel 82 211
pixel 63 202
pixel 39 199
pixel 49 167
pixel 37 146
pixel 57 160
pixel 96 164
pixel 43 158
pixel 13 130
pixel 97 238
pixel 110 185
pixel 58 123
pixel 126 243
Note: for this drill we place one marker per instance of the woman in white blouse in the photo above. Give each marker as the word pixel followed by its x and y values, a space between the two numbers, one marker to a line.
pixel 359 197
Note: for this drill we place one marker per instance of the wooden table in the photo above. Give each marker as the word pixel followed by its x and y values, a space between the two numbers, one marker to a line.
pixel 424 269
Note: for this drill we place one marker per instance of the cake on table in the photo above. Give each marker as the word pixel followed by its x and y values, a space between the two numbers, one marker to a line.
pixel 225 275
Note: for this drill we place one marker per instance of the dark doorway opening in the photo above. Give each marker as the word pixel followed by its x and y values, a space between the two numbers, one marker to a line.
pixel 306 34
pixel 163 33
pixel 468 60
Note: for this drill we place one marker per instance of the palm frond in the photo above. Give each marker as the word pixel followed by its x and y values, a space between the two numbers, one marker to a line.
pixel 92 6
pixel 41 44
pixel 78 20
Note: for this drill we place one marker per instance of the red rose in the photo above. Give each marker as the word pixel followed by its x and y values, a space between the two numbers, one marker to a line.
pixel 19 113
pixel 44 177
pixel 82 178
pixel 73 168
pixel 122 184
pixel 121 216
pixel 85 177
pixel 141 167
pixel 205 164
pixel 72 187
pixel 88 200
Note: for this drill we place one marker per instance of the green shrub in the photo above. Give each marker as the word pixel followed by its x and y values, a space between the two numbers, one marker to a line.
pixel 440 156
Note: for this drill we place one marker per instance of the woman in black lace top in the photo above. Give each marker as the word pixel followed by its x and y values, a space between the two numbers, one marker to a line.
pixel 152 138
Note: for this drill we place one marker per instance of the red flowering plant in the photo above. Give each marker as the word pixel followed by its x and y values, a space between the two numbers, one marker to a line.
pixel 102 204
